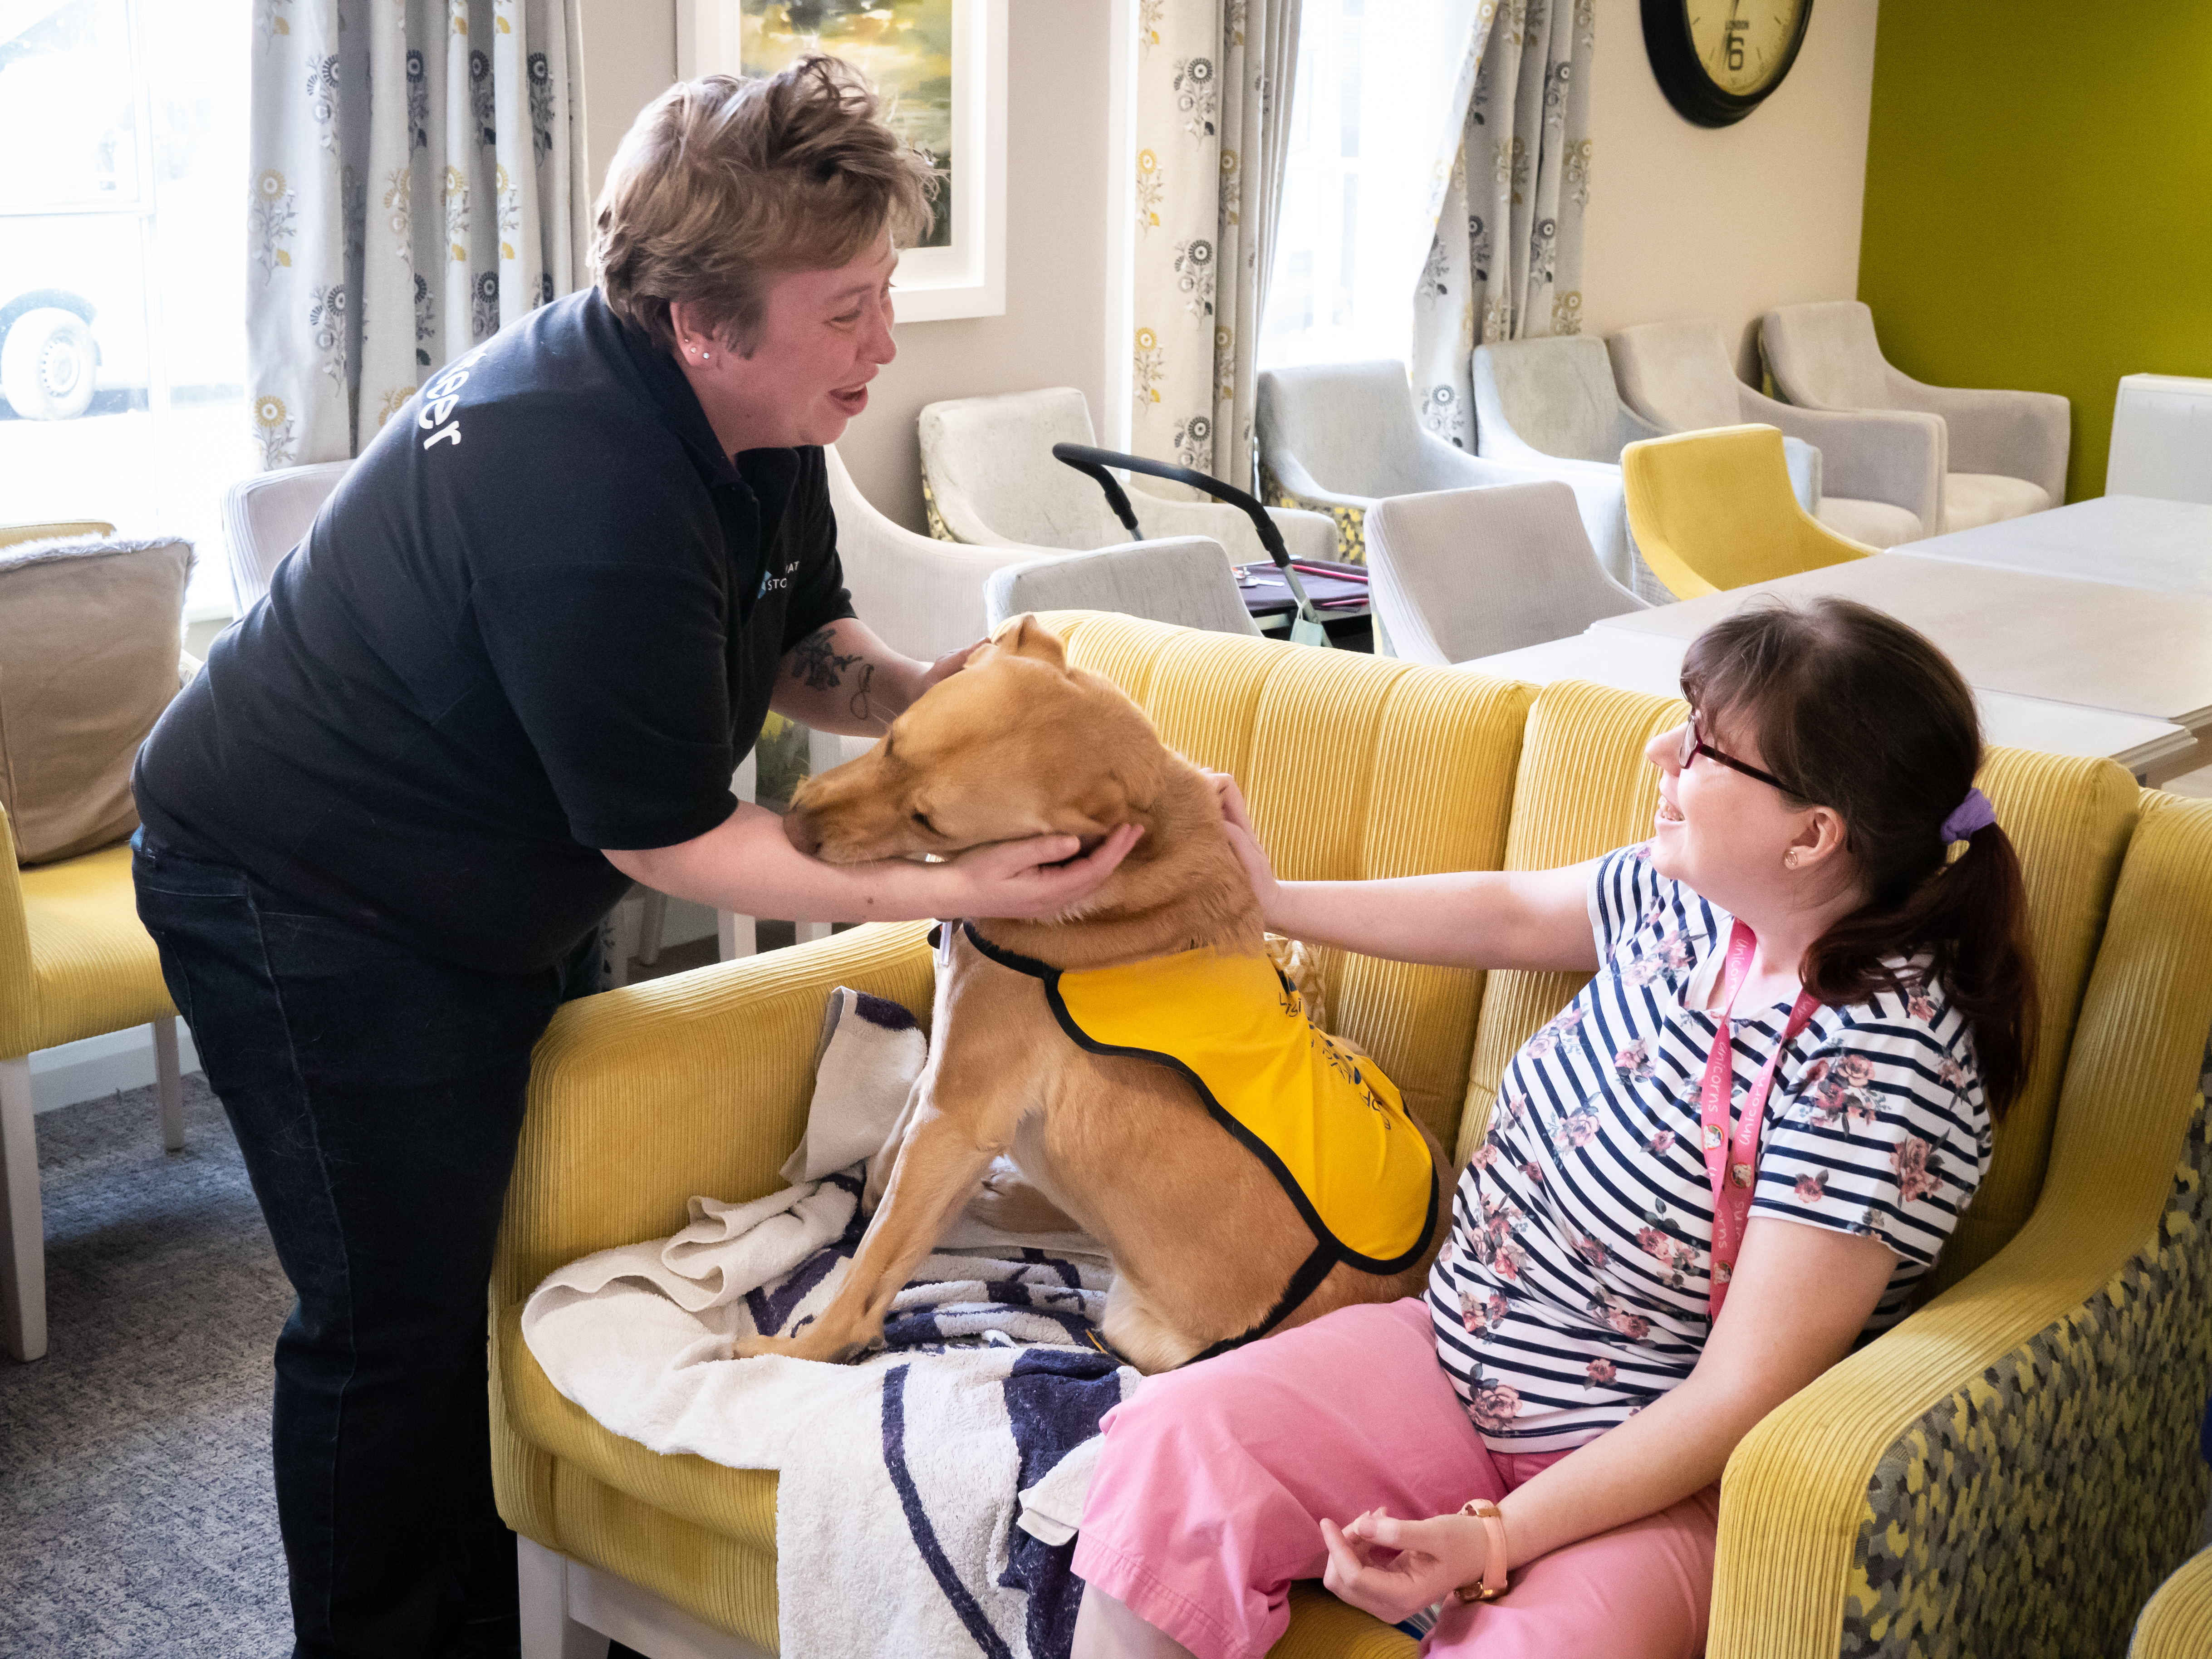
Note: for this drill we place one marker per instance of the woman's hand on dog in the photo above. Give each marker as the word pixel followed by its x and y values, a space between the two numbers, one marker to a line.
pixel 1393 1568
pixel 1040 877
pixel 1239 824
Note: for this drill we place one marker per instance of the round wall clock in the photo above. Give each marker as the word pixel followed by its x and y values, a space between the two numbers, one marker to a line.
pixel 1717 60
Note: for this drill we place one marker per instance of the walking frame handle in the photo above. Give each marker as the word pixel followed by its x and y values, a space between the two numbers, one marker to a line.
pixel 1094 462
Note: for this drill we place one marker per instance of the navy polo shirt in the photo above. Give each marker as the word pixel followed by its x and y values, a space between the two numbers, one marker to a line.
pixel 543 615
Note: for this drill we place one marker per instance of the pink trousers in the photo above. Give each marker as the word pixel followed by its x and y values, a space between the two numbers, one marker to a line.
pixel 1213 1481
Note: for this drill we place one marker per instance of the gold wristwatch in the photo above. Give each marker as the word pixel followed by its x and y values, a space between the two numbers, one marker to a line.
pixel 1491 1584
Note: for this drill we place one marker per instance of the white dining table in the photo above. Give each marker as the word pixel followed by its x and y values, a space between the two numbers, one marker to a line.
pixel 2130 541
pixel 2060 639
pixel 2152 749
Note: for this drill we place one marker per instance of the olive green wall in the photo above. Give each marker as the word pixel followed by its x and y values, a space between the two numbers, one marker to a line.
pixel 2039 198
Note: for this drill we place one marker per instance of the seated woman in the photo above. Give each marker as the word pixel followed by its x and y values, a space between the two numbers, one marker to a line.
pixel 1729 1161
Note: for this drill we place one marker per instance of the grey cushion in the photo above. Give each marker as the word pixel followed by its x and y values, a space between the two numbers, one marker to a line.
pixel 1979 498
pixel 1877 524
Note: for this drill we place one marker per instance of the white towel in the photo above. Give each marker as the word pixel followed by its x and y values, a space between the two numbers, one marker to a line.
pixel 872 1050
pixel 902 1476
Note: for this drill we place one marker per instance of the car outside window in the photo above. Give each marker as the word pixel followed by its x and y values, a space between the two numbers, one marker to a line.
pixel 123 202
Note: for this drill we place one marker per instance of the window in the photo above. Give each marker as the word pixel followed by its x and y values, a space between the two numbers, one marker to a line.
pixel 1374 85
pixel 122 147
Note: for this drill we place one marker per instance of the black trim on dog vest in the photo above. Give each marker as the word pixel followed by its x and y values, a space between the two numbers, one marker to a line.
pixel 1328 1250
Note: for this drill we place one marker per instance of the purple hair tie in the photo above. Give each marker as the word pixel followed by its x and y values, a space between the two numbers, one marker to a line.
pixel 1973 813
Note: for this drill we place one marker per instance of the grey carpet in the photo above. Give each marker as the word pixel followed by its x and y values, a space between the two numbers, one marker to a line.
pixel 136 1516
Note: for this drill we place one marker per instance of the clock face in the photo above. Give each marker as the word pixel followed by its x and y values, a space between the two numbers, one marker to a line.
pixel 1744 47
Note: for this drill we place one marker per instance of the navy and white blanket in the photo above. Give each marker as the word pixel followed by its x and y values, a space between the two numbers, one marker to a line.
pixel 928 1495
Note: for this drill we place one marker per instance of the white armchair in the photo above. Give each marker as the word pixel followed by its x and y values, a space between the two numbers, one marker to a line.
pixel 1552 402
pixel 1184 580
pixel 922 597
pixel 1556 398
pixel 1881 471
pixel 990 478
pixel 1340 437
pixel 2006 450
pixel 265 516
pixel 1469 572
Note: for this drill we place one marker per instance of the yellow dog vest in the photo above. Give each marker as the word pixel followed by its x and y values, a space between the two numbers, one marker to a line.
pixel 1330 1128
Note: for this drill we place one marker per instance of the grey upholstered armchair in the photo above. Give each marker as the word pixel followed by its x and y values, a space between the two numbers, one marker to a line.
pixel 1881 471
pixel 988 477
pixel 1340 437
pixel 1469 572
pixel 1552 402
pixel 1552 398
pixel 1185 579
pixel 2005 451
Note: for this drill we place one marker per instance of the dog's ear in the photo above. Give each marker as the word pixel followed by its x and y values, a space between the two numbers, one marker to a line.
pixel 1131 784
pixel 1025 636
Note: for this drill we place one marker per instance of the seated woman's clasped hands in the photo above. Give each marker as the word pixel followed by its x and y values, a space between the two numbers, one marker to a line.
pixel 1729 1159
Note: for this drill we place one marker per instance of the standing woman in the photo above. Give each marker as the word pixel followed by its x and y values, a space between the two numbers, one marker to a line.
pixel 512 667
pixel 1730 1160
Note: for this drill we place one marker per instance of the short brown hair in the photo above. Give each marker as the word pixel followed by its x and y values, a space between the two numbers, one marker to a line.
pixel 722 183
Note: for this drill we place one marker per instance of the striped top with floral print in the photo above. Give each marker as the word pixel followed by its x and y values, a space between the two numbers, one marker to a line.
pixel 1572 1290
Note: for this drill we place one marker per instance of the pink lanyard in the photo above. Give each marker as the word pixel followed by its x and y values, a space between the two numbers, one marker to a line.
pixel 1732 1165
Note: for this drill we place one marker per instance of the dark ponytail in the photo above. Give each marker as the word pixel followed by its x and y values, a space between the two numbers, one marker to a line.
pixel 1854 711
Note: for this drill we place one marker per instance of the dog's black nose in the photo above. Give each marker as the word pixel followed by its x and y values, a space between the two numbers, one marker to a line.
pixel 801 830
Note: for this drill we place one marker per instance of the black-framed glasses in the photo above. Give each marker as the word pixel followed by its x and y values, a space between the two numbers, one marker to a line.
pixel 1694 744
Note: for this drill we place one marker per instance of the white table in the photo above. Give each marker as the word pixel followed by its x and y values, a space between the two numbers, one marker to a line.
pixel 2152 749
pixel 2056 638
pixel 2130 541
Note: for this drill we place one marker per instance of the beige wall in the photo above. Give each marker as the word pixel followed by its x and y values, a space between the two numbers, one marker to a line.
pixel 1684 221
pixel 629 56
pixel 1052 331
pixel 1726 222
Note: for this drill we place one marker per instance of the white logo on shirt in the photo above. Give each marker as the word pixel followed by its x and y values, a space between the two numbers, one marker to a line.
pixel 440 398
pixel 769 584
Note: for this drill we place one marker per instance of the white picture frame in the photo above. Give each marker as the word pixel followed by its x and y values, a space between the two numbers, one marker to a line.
pixel 933 284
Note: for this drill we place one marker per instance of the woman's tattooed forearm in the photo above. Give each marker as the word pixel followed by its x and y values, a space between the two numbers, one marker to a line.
pixel 814 660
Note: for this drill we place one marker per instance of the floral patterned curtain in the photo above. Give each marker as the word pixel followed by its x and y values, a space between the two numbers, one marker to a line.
pixel 1213 105
pixel 1507 261
pixel 418 171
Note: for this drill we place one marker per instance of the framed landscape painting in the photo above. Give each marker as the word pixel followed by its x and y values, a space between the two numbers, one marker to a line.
pixel 939 67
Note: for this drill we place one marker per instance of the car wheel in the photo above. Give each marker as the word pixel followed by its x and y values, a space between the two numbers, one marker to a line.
pixel 46 366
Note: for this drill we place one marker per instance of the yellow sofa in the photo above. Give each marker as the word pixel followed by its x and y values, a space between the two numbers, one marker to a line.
pixel 2012 1470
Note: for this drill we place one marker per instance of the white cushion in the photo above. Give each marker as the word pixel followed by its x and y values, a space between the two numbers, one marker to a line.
pixel 1979 498
pixel 1877 524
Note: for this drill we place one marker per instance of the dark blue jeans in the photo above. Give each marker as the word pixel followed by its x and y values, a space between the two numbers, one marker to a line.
pixel 377 1094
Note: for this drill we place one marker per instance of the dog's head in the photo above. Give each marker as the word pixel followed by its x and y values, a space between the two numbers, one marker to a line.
pixel 1016 745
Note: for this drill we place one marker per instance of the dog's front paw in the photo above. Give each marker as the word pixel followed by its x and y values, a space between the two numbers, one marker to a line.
pixel 814 1343
pixel 1011 1205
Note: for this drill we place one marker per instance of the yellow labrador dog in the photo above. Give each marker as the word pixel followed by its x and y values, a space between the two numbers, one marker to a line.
pixel 1142 1062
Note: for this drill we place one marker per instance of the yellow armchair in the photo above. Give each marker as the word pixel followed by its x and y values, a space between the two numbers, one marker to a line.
pixel 1714 509
pixel 74 962
pixel 2178 1622
pixel 1930 1495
